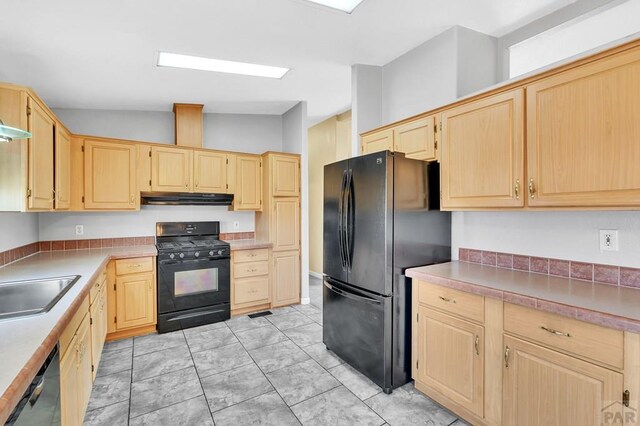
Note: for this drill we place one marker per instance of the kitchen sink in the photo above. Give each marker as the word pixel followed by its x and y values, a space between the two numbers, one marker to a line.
pixel 32 297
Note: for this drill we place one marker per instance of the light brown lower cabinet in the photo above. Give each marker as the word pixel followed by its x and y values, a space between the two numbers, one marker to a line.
pixel 75 376
pixel 250 284
pixel 98 316
pixel 498 369
pixel 286 278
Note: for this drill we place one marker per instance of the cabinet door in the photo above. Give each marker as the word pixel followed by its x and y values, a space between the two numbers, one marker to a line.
pixel 285 224
pixel 482 153
pixel 41 147
pixel 135 301
pixel 63 169
pixel 70 386
pixel 544 387
pixel 85 377
pixel 417 139
pixel 583 135
pixel 171 170
pixel 286 278
pixel 210 172
pixel 285 171
pixel 98 328
pixel 451 358
pixel 379 141
pixel 248 192
pixel 109 175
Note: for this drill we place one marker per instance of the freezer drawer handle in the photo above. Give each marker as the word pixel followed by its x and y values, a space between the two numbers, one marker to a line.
pixel 352 296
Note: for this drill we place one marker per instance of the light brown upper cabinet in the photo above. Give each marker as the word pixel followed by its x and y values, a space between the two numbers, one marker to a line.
pixel 62 169
pixel 188 124
pixel 210 172
pixel 285 175
pixel 41 147
pixel 144 167
pixel 171 169
pixel 583 135
pixel 248 182
pixel 417 139
pixel 379 141
pixel 110 176
pixel 482 153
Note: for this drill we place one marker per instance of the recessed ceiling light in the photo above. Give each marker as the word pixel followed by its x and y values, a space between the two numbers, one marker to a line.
pixel 343 5
pixel 218 65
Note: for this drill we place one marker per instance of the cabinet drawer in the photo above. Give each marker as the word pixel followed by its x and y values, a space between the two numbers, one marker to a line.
pixel 250 269
pixel 95 288
pixel 134 266
pixel 70 330
pixel 249 290
pixel 585 340
pixel 241 256
pixel 459 303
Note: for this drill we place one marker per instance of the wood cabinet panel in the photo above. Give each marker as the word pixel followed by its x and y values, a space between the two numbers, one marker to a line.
pixel 41 148
pixel 134 266
pixel 251 291
pixel 379 141
pixel 459 303
pixel 62 170
pixel 248 183
pixel 70 386
pixel 583 135
pixel 482 153
pixel 85 376
pixel 417 139
pixel 250 255
pixel 451 358
pixel 135 301
pixel 250 269
pixel 286 278
pixel 210 172
pixel 285 223
pixel 144 168
pixel 110 175
pixel 544 387
pixel 171 169
pixel 285 177
pixel 98 312
pixel 188 124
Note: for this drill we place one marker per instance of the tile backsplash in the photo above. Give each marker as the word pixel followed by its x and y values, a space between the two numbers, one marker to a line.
pixel 605 274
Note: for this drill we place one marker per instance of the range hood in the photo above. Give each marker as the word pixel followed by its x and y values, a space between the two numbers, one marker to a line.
pixel 185 199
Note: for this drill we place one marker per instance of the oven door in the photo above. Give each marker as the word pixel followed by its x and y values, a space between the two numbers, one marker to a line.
pixel 194 283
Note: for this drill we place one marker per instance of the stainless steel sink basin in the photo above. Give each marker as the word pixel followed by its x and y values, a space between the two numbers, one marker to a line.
pixel 23 298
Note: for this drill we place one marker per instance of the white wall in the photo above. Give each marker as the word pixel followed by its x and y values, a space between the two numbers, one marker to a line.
pixel 61 226
pixel 366 102
pixel 294 139
pixel 17 229
pixel 236 132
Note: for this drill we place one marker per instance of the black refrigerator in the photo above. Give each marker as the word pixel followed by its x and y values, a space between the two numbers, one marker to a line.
pixel 381 216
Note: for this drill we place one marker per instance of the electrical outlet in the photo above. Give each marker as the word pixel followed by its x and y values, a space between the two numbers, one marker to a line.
pixel 79 229
pixel 608 240
pixel 236 224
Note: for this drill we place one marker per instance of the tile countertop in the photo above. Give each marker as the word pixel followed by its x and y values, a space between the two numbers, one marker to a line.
pixel 27 341
pixel 249 244
pixel 603 304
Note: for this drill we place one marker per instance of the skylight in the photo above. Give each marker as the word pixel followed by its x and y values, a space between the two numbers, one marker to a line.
pixel 343 5
pixel 218 65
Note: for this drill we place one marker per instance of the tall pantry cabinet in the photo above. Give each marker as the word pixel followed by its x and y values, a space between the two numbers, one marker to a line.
pixel 279 223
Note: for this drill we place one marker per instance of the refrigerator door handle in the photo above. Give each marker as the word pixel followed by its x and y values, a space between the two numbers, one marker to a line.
pixel 347 219
pixel 343 259
pixel 352 296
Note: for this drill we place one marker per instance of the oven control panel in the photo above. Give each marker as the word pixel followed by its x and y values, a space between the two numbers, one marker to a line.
pixel 202 253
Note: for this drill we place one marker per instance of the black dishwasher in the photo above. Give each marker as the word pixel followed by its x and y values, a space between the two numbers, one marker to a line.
pixel 40 404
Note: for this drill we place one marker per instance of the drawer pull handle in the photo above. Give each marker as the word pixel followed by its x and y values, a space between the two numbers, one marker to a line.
pixel 506 357
pixel 252 255
pixel 446 299
pixel 556 332
pixel 517 189
pixel 137 265
pixel 477 345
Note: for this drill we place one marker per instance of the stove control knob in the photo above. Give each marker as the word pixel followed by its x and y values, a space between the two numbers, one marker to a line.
pixel 196 254
pixel 181 255
pixel 220 252
pixel 171 256
pixel 211 253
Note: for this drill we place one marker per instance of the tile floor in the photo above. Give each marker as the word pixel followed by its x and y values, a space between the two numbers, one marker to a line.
pixel 272 370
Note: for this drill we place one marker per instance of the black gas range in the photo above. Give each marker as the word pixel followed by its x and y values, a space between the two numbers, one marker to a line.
pixel 194 284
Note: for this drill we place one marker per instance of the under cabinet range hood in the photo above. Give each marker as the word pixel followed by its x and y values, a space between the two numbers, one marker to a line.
pixel 185 199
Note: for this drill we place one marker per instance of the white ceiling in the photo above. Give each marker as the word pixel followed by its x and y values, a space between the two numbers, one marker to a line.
pixel 101 54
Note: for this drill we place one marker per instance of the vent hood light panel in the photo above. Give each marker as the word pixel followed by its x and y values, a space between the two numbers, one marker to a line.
pixel 344 5
pixel 7 134
pixel 176 60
